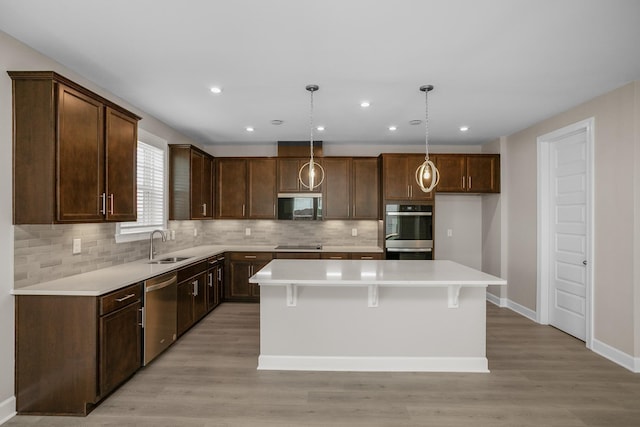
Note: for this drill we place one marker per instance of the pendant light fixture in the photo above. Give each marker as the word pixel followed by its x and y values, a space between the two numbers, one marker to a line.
pixel 311 174
pixel 427 175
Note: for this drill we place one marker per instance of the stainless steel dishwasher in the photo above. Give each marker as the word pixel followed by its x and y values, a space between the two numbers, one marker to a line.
pixel 159 314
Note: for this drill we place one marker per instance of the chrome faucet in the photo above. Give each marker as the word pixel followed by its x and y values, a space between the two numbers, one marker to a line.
pixel 164 239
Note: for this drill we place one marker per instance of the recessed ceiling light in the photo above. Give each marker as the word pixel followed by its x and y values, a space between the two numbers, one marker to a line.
pixel 393 128
pixel 464 128
pixel 365 104
pixel 249 129
pixel 320 128
pixel 415 122
pixel 216 89
pixel 277 122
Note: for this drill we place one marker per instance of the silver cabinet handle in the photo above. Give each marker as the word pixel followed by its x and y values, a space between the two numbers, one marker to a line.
pixel 219 274
pixel 124 298
pixel 463 187
pixel 103 203
pixel 195 288
pixel 366 257
pixel 243 209
pixel 211 280
pixel 469 182
pixel 204 209
pixel 250 256
pixel 111 204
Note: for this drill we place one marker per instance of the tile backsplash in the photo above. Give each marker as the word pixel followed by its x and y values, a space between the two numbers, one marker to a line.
pixel 44 252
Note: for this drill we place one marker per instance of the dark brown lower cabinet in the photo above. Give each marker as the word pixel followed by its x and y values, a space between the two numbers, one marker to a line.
pixel 192 296
pixel 215 282
pixel 72 351
pixel 120 346
pixel 243 265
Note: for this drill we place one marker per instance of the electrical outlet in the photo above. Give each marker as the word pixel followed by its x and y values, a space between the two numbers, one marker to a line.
pixel 173 235
pixel 247 231
pixel 354 232
pixel 77 246
pixel 195 232
pixel 449 232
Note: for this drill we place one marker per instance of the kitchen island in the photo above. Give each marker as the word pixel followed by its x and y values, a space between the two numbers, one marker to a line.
pixel 366 315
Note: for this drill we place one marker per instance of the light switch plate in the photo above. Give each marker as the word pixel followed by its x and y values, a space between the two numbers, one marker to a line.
pixel 247 231
pixel 449 232
pixel 77 246
pixel 354 232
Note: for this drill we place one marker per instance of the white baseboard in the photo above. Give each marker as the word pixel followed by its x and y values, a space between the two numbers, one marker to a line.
pixel 500 302
pixel 7 409
pixel 621 358
pixel 522 310
pixel 374 364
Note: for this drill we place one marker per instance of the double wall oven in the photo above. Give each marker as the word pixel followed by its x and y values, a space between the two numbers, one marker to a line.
pixel 409 231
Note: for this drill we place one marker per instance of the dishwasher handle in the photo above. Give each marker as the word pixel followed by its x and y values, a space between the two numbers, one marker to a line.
pixel 163 284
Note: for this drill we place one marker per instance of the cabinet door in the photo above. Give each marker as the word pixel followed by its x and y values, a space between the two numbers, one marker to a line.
pixel 453 176
pixel 121 146
pixel 120 346
pixel 185 306
pixel 288 175
pixel 416 194
pixel 239 273
pixel 206 196
pixel 212 290
pixel 80 167
pixel 395 179
pixel 197 179
pixel 261 191
pixel 231 188
pixel 483 173
pixel 337 184
pixel 365 192
pixel 199 284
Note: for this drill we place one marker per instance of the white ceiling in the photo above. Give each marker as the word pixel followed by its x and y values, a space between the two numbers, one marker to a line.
pixel 498 66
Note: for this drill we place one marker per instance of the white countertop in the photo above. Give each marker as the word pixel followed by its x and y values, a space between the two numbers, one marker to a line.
pixel 103 281
pixel 371 272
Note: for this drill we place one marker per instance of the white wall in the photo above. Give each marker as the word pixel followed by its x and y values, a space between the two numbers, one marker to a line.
pixel 17 56
pixel 462 214
pixel 616 240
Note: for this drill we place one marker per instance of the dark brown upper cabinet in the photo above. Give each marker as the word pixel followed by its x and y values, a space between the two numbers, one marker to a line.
pixel 469 173
pixel 190 183
pixel 246 188
pixel 350 188
pixel 398 178
pixel 288 175
pixel 74 153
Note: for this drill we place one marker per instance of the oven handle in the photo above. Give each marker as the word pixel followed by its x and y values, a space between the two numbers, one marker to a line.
pixel 409 213
pixel 409 249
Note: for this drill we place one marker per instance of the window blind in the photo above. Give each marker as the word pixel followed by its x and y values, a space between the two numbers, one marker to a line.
pixel 150 191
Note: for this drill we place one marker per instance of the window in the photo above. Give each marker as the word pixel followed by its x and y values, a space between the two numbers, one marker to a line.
pixel 151 194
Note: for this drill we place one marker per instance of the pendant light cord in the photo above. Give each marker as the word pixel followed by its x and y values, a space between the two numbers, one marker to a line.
pixel 311 126
pixel 426 124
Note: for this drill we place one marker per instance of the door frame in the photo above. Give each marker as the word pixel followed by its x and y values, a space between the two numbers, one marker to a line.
pixel 544 143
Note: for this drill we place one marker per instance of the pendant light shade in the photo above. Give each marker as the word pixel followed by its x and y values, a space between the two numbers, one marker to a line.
pixel 427 175
pixel 311 174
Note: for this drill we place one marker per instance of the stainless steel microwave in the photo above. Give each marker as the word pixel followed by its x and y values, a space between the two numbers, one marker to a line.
pixel 300 206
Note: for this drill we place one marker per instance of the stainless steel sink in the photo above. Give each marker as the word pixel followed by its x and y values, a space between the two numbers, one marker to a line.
pixel 170 260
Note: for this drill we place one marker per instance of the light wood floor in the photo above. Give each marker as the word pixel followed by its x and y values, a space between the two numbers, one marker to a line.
pixel 539 377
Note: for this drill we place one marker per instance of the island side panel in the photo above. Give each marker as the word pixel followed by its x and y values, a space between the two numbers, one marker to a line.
pixel 335 322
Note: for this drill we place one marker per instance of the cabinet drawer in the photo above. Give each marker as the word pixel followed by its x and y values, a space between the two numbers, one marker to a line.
pixel 297 255
pixel 192 270
pixel 367 255
pixel 251 256
pixel 335 255
pixel 120 298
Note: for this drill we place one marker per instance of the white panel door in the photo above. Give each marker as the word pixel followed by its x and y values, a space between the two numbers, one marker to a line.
pixel 568 239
